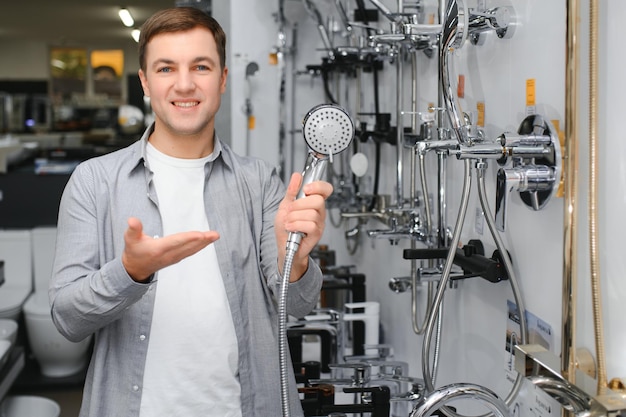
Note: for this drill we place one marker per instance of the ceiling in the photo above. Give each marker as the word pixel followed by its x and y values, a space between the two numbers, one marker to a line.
pixel 74 22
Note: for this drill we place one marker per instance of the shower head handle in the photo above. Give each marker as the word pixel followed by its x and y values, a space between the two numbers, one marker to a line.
pixel 327 130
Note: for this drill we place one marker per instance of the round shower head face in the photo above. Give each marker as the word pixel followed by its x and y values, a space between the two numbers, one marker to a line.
pixel 328 129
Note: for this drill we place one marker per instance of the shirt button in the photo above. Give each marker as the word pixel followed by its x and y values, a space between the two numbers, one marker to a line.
pixel 142 337
pixel 135 387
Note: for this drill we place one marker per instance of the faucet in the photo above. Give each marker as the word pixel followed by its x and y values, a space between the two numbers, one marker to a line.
pixel 439 397
pixel 542 368
pixel 570 396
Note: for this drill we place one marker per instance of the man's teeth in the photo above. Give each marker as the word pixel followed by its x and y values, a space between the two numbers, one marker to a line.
pixel 186 104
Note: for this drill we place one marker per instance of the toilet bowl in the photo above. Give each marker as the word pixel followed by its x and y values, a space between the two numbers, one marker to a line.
pixel 29 405
pixel 57 356
pixel 16 252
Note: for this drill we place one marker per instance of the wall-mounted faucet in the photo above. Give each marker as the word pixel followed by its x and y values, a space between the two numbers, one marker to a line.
pixel 541 368
pixel 535 171
pixel 441 396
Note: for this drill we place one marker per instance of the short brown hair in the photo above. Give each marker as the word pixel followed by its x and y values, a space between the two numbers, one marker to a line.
pixel 180 19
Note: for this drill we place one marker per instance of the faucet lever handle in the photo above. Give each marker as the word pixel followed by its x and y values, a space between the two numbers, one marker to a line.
pixel 528 180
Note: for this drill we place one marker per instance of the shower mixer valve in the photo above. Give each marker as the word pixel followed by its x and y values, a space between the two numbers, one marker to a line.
pixel 536 166
pixel 533 159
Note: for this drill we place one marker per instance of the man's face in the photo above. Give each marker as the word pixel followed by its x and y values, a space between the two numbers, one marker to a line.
pixel 184 81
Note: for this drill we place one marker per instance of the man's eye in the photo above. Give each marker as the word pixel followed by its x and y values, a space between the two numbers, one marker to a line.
pixel 164 69
pixel 202 68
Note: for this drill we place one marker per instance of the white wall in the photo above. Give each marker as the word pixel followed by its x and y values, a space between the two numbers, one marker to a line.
pixel 251 41
pixel 612 186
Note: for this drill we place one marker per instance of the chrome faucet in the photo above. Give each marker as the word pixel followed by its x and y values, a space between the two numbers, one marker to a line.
pixel 542 368
pixel 439 397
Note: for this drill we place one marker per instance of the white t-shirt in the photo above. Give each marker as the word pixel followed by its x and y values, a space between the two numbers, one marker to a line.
pixel 191 367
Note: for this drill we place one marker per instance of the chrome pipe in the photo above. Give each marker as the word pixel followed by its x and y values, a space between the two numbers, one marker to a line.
pixel 399 129
pixel 440 145
pixel 384 10
pixel 442 162
pixel 292 116
pixel 442 227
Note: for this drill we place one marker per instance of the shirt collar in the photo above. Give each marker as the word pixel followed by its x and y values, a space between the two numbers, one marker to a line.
pixel 141 155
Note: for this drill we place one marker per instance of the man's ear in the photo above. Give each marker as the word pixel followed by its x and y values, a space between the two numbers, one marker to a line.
pixel 224 78
pixel 144 83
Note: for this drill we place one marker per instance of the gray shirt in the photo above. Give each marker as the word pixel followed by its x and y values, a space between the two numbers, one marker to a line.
pixel 91 292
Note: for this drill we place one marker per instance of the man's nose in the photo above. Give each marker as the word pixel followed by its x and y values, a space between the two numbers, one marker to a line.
pixel 185 81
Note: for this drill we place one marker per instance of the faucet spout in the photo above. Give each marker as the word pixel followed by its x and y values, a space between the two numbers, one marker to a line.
pixel 571 397
pixel 439 397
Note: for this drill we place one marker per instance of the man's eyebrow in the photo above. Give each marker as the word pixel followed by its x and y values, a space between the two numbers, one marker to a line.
pixel 196 60
pixel 162 61
pixel 203 59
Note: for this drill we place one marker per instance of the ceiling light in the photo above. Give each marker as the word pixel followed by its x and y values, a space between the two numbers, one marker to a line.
pixel 127 19
pixel 135 34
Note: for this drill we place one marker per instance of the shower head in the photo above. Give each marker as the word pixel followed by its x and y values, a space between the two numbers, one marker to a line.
pixel 327 129
pixel 455 26
pixel 453 36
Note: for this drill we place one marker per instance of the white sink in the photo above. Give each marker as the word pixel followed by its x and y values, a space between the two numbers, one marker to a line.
pixel 5 350
pixel 8 330
pixel 8 148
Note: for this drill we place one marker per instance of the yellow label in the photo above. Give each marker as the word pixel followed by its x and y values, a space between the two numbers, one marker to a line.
pixel 530 92
pixel 273 58
pixel 251 122
pixel 480 106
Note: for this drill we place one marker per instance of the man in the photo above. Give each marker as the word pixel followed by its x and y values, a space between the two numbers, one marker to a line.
pixel 171 249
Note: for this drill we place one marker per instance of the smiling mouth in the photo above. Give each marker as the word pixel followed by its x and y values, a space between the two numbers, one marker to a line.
pixel 186 103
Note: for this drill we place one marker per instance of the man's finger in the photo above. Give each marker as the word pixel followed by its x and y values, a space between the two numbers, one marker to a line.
pixel 293 187
pixel 135 228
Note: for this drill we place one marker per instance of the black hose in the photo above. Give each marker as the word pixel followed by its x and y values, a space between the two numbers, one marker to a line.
pixel 329 95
